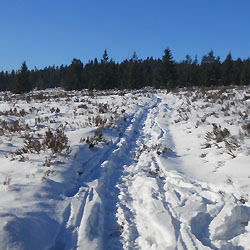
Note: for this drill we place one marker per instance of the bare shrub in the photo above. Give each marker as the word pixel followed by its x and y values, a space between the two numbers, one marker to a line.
pixel 222 135
pixel 13 112
pixel 14 126
pixel 47 162
pixel 56 142
pixel 96 139
pixel 1 132
pixel 246 129
pixel 155 173
pixel 243 199
pixel 31 144
pixel 52 110
pixel 7 181
pixel 49 173
pixel 229 181
pixel 244 115
pixel 82 106
pixel 246 97
pixel 217 134
pixel 103 108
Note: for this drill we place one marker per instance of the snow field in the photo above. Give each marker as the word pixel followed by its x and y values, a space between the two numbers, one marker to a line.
pixel 140 170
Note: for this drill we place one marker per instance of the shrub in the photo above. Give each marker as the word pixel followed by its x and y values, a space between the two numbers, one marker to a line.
pixel 217 134
pixel 56 141
pixel 14 126
pixel 7 181
pixel 246 128
pixel 96 139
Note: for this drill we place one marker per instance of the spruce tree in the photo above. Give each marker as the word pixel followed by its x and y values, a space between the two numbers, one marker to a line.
pixel 74 76
pixel 210 69
pixel 103 81
pixel 2 81
pixel 184 71
pixel 245 73
pixel 165 74
pixel 105 57
pixel 22 83
pixel 227 70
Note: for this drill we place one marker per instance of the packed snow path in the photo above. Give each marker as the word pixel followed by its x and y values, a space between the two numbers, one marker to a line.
pixel 91 219
pixel 130 199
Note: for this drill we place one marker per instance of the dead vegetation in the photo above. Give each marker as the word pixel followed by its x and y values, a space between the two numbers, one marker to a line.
pixel 37 123
pixel 228 103
pixel 96 139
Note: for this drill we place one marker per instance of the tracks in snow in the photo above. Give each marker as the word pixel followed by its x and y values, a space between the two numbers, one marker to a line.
pixel 131 200
pixel 166 209
pixel 90 218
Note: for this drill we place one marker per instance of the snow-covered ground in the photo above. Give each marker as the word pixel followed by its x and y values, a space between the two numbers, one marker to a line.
pixel 125 170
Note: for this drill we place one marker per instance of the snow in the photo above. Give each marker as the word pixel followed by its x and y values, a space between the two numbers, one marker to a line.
pixel 140 170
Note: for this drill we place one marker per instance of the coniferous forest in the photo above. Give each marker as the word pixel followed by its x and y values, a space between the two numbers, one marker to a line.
pixel 130 74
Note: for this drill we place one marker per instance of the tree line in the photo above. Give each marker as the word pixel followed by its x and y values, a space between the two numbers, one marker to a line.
pixel 131 73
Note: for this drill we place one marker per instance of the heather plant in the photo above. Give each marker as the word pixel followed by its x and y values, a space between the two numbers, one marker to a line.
pixel 15 126
pixel 57 142
pixel 95 140
pixel 217 134
pixel 246 129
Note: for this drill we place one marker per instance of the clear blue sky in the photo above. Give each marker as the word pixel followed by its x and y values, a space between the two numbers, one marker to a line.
pixel 52 32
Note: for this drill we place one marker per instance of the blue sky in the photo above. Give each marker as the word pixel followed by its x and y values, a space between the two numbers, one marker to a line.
pixel 52 32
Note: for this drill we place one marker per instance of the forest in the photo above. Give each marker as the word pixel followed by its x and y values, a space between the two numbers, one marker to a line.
pixel 131 73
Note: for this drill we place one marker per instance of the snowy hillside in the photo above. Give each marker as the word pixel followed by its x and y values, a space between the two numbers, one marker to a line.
pixel 125 170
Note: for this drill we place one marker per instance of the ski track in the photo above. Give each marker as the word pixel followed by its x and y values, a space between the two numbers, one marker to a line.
pixel 130 200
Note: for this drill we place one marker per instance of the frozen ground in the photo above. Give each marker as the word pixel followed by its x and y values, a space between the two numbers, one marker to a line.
pixel 125 170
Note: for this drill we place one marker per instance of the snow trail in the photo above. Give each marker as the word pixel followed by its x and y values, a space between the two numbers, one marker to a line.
pixel 160 208
pixel 132 199
pixel 90 219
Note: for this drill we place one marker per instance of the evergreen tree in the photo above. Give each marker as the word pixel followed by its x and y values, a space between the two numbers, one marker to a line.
pixel 165 74
pixel 3 81
pixel 195 72
pixel 105 57
pixel 227 70
pixel 157 74
pixel 169 70
pixel 210 69
pixel 123 75
pixel 21 82
pixel 184 71
pixel 106 73
pixel 237 70
pixel 133 75
pixel 245 73
pixel 147 70
pixel 74 76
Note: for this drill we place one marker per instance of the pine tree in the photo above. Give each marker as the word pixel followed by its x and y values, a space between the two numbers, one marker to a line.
pixel 245 73
pixel 210 69
pixel 184 71
pixel 133 74
pixel 105 57
pixel 22 83
pixel 74 76
pixel 3 81
pixel 227 70
pixel 165 74
pixel 237 70
pixel 104 80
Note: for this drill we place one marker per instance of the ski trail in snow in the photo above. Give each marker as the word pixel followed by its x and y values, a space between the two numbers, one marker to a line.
pixel 142 195
pixel 160 208
pixel 90 219
pixel 130 199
